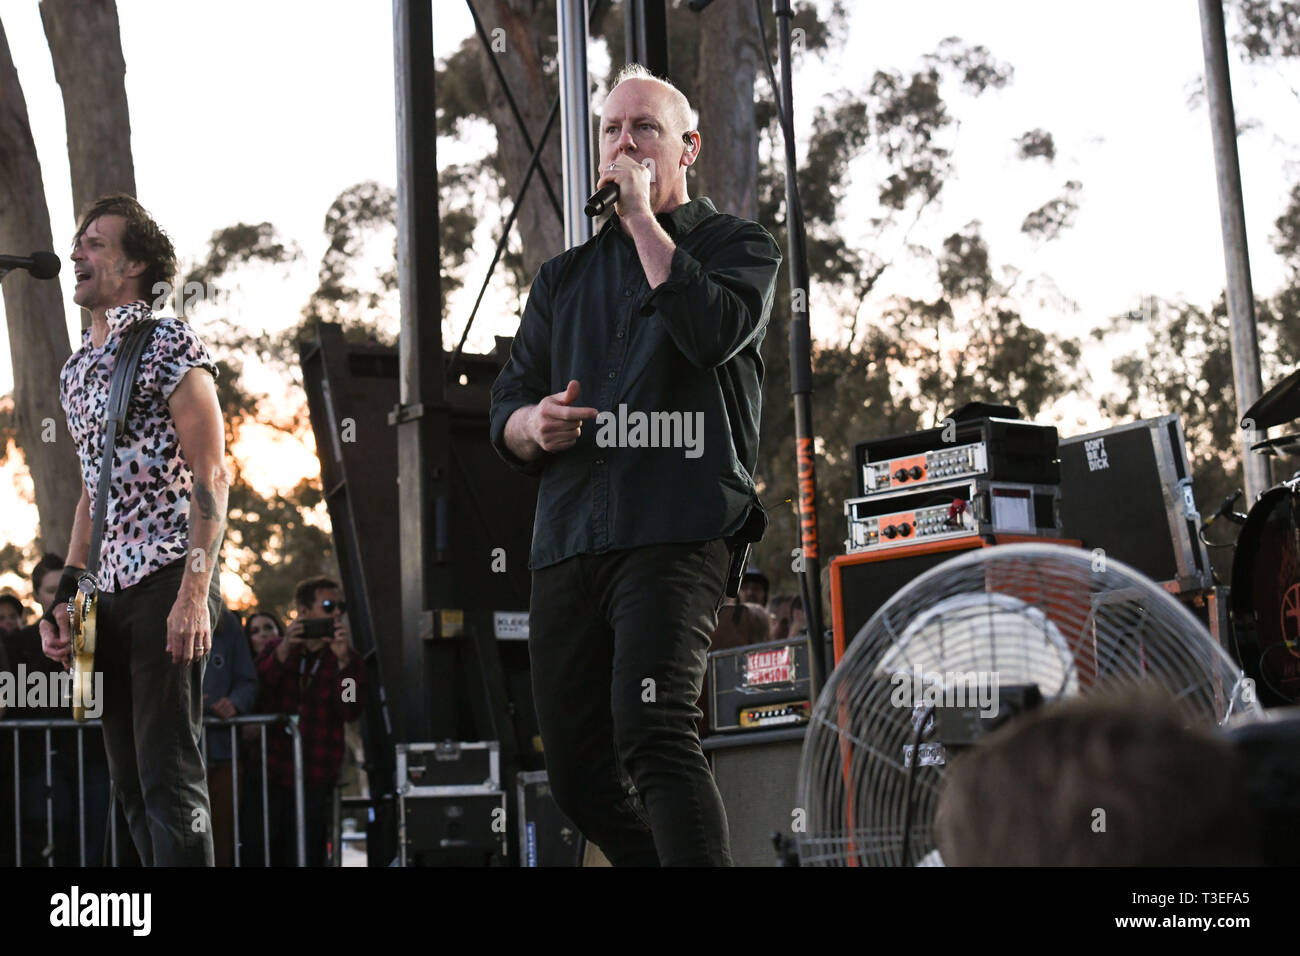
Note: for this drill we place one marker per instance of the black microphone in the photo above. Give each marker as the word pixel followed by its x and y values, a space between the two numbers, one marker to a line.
pixel 603 198
pixel 42 265
pixel 607 195
pixel 1225 509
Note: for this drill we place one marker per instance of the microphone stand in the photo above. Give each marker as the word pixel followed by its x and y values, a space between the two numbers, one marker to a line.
pixel 801 366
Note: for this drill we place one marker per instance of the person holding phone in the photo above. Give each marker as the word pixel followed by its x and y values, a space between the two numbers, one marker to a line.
pixel 313 672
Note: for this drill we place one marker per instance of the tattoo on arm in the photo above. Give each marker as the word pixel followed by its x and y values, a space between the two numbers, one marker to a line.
pixel 205 500
pixel 208 505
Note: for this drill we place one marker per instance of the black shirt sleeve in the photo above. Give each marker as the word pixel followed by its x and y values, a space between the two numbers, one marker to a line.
pixel 711 314
pixel 526 378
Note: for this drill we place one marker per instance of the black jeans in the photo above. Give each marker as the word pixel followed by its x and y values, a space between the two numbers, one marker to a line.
pixel 153 718
pixel 618 645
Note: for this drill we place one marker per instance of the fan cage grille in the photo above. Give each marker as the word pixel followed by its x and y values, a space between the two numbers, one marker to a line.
pixel 1068 621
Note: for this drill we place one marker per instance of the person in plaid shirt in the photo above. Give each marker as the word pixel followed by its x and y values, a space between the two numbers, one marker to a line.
pixel 320 680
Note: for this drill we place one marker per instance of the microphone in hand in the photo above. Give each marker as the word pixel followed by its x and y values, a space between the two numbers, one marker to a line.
pixel 601 200
pixel 605 197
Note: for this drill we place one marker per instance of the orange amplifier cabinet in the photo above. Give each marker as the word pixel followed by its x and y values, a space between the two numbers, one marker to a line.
pixel 862 582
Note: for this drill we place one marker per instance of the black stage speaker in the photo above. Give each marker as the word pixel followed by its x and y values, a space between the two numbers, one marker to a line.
pixel 474 677
pixel 457 826
pixel 484 526
pixel 1128 491
pixel 757 775
pixel 546 836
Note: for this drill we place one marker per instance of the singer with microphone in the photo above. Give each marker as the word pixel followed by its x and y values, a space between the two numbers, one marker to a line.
pixel 649 335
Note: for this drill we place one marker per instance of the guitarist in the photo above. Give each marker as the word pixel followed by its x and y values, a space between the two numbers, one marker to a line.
pixel 166 510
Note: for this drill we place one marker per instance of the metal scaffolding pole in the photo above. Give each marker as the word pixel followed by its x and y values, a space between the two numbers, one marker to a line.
pixel 421 416
pixel 645 34
pixel 801 374
pixel 1232 218
pixel 575 119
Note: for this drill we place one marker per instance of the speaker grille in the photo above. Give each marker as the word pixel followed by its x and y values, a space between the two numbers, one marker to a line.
pixel 757 780
pixel 866 587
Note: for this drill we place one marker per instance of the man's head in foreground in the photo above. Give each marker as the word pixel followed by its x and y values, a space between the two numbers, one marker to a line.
pixel 1096 781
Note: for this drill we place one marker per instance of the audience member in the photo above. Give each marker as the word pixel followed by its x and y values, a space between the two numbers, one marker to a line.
pixel 262 631
pixel 7 856
pixel 13 615
pixel 787 616
pixel 798 624
pixel 229 689
pixel 753 587
pixel 45 580
pixel 1096 781
pixel 319 679
pixel 38 796
pixel 5 668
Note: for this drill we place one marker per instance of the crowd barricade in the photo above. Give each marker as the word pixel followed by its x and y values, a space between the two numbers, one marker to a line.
pixel 24 734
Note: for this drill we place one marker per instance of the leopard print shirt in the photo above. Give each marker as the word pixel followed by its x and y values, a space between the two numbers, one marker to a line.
pixel 147 523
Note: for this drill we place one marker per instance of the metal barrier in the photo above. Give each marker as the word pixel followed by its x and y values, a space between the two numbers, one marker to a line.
pixel 261 721
pixel 234 724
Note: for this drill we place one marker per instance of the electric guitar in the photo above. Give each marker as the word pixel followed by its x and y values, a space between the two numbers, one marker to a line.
pixel 81 622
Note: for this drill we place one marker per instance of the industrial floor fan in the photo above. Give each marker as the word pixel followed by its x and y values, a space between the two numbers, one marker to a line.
pixel 1000 629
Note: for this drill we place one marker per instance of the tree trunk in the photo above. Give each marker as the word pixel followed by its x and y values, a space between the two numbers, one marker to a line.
pixel 540 231
pixel 86 48
pixel 729 58
pixel 38 336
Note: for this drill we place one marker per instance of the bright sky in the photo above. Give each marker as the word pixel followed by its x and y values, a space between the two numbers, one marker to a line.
pixel 267 110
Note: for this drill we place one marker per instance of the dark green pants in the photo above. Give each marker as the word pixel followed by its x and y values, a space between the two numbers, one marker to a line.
pixel 153 719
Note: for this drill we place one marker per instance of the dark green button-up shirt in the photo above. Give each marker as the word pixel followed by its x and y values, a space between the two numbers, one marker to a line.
pixel 675 373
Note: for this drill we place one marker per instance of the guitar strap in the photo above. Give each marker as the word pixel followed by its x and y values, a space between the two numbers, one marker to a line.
pixel 119 399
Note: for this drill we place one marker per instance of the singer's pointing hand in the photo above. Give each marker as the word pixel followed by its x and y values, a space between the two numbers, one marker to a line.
pixel 634 181
pixel 556 422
